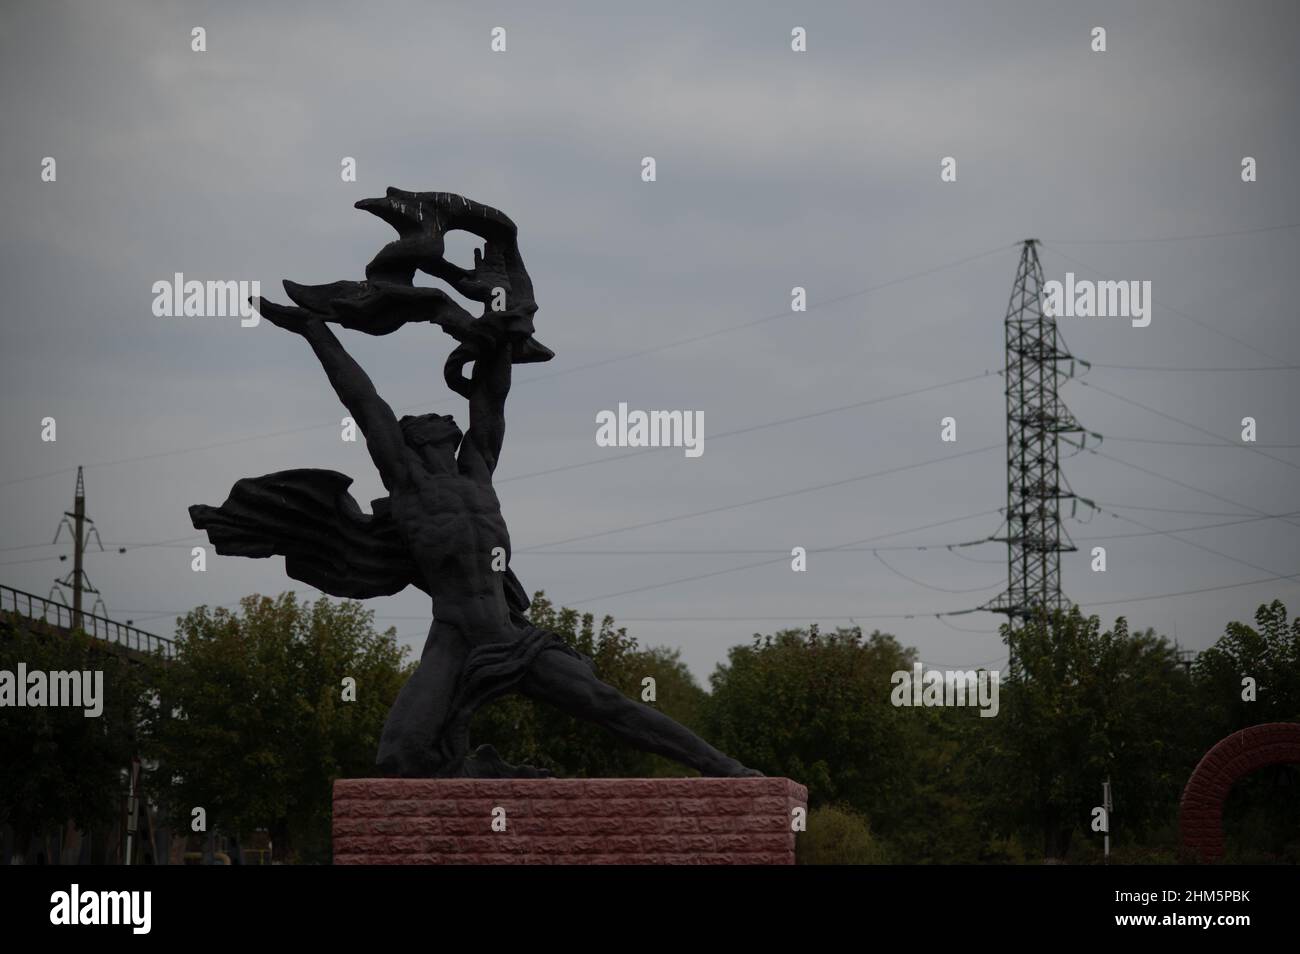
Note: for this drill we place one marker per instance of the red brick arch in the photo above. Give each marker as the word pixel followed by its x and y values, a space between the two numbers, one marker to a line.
pixel 1200 812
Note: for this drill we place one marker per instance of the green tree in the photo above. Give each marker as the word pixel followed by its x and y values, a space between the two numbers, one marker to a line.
pixel 1080 705
pixel 1270 655
pixel 838 836
pixel 59 765
pixel 947 819
pixel 253 724
pixel 818 708
pixel 536 734
pixel 815 707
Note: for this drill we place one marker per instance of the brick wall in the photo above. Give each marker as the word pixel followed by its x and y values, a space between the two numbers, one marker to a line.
pixel 566 821
pixel 1200 812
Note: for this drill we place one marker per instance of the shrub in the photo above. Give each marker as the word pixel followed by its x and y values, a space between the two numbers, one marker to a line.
pixel 838 836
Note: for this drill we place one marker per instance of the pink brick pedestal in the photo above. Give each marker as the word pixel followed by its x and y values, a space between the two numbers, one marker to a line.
pixel 566 821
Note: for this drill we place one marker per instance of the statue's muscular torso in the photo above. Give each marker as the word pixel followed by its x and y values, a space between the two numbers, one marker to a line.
pixel 451 523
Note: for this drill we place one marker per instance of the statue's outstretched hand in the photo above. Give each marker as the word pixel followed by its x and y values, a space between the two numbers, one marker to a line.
pixel 296 320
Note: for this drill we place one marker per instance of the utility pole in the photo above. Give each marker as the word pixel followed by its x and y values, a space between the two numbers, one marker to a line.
pixel 1105 804
pixel 132 811
pixel 77 580
pixel 1037 363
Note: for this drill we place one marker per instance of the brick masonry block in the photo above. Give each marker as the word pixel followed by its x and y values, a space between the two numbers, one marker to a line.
pixel 631 821
pixel 1200 812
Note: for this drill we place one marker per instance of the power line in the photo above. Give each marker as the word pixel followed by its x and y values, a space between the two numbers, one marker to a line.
pixel 942 589
pixel 1152 531
pixel 785 553
pixel 957 553
pixel 770 497
pixel 1202 589
pixel 975 665
pixel 950 547
pixel 784 556
pixel 963 629
pixel 155 614
pixel 1173 534
pixel 1177 238
pixel 1196 427
pixel 1166 367
pixel 686 579
pixel 33 560
pixel 1195 513
pixel 773 317
pixel 1154 440
pixel 1174 480
pixel 26 546
pixel 174 453
pixel 812 617
pixel 754 427
pixel 120 548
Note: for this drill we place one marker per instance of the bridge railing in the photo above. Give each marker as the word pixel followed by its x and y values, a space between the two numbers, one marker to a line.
pixel 98 627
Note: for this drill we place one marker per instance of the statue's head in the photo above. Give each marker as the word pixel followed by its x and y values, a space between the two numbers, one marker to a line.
pixel 434 437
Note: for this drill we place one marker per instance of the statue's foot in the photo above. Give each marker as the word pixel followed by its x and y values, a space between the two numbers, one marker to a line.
pixel 401 765
pixel 730 768
pixel 484 762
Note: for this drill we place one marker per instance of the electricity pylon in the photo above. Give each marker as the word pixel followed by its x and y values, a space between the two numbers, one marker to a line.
pixel 1037 421
pixel 77 580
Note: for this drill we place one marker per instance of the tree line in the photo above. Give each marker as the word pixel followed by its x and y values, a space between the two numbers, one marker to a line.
pixel 264 706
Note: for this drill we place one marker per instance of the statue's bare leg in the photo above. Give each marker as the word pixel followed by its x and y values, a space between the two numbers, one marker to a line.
pixel 407 744
pixel 569 684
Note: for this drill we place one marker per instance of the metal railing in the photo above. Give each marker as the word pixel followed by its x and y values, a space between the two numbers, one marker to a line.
pixel 97 627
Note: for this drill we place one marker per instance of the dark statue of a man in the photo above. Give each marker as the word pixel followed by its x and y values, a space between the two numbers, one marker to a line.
pixel 440 527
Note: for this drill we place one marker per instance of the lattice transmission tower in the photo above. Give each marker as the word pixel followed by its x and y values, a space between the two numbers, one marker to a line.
pixel 1037 363
pixel 80 527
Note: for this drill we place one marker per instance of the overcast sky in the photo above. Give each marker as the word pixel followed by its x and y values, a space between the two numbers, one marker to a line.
pixel 774 169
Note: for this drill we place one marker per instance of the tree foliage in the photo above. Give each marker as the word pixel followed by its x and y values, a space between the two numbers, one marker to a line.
pixel 815 707
pixel 59 765
pixel 249 722
pixel 253 725
pixel 838 836
pixel 1268 653
pixel 1079 706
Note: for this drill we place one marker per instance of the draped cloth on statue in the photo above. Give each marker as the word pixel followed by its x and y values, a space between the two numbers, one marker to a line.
pixel 491 670
pixel 308 517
